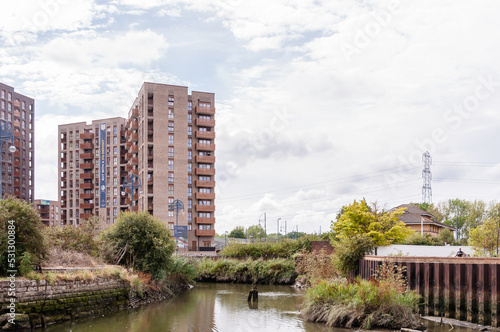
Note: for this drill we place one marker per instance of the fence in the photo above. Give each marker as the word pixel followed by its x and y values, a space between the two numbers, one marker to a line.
pixel 461 288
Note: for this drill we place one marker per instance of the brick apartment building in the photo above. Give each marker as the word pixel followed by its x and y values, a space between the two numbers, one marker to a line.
pixel 167 142
pixel 18 168
pixel 49 212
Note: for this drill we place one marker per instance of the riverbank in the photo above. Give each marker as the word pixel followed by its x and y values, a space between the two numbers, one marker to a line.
pixel 54 299
pixel 258 271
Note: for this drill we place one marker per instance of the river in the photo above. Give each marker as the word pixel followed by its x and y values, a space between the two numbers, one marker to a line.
pixel 214 307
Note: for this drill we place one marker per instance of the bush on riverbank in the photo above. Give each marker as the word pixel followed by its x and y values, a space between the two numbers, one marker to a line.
pixel 383 302
pixel 280 249
pixel 260 271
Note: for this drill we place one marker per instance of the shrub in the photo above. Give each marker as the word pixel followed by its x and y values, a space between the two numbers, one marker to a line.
pixel 81 239
pixel 183 270
pixel 348 252
pixel 23 221
pixel 316 266
pixel 147 242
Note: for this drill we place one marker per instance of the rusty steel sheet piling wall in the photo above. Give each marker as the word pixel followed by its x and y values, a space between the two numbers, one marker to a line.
pixel 464 288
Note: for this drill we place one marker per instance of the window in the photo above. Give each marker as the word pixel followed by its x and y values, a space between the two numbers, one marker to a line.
pixel 190 130
pixel 190 178
pixel 115 140
pixel 190 204
pixel 171 189
pixel 171 101
pixel 115 150
pixel 170 126
pixel 190 118
pixel 190 216
pixel 190 168
pixel 204 178
pixel 170 176
pixel 190 191
pixel 170 151
pixel 190 105
pixel 190 143
pixel 190 155
pixel 171 139
pixel 115 130
pixel 171 214
pixel 170 164
pixel 170 113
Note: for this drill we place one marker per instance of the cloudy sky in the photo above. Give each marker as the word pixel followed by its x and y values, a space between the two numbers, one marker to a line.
pixel 319 102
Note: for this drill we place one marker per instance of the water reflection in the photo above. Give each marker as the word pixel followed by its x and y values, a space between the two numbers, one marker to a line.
pixel 215 307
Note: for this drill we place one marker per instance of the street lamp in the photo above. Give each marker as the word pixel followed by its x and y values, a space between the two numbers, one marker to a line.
pixel 5 135
pixel 131 182
pixel 225 236
pixel 176 205
pixel 265 227
pixel 278 229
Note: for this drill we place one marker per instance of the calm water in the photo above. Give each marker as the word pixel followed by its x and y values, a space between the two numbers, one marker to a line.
pixel 213 307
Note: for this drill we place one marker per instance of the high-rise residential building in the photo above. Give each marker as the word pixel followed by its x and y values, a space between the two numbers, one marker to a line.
pixel 87 151
pixel 167 143
pixel 18 168
pixel 171 147
pixel 49 211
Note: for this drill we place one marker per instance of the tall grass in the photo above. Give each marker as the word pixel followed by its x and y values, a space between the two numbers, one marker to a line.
pixel 382 302
pixel 260 271
pixel 280 249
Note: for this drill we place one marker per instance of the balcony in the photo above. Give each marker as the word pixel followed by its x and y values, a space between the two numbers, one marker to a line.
pixel 86 146
pixel 87 196
pixel 201 220
pixel 204 208
pixel 134 124
pixel 86 175
pixel 17 134
pixel 133 113
pixel 204 122
pixel 17 103
pixel 85 215
pixel 205 232
pixel 86 136
pixel 87 165
pixel 17 163
pixel 86 206
pixel 18 154
pixel 17 183
pixel 204 171
pixel 134 137
pixel 204 134
pixel 86 156
pixel 134 160
pixel 150 156
pixel 17 174
pixel 128 167
pixel 17 113
pixel 134 149
pixel 205 110
pixel 16 123
pixel 86 186
pixel 128 155
pixel 204 195
pixel 204 159
pixel 205 184
pixel 204 147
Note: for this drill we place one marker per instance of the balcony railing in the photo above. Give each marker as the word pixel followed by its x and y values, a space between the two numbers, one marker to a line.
pixel 204 195
pixel 205 184
pixel 204 134
pixel 87 155
pixel 204 159
pixel 204 147
pixel 202 220
pixel 86 186
pixel 204 171
pixel 204 208
pixel 85 146
pixel 133 113
pixel 86 206
pixel 204 122
pixel 86 175
pixel 87 136
pixel 87 166
pixel 205 232
pixel 87 196
pixel 205 110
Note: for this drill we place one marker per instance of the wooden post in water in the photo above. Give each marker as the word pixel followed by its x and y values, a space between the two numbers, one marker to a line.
pixel 253 294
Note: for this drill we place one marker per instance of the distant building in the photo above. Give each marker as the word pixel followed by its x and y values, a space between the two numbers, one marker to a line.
pixel 422 221
pixel 18 168
pixel 49 212
pixel 168 142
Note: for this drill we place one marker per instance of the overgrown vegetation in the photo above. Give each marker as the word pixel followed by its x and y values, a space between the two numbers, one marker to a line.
pixel 82 239
pixel 348 252
pixel 283 248
pixel 20 224
pixel 144 242
pixel 382 302
pixel 313 267
pixel 260 271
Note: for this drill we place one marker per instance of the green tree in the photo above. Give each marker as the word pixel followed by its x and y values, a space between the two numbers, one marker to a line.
pixel 294 235
pixel 149 244
pixel 483 238
pixel 463 215
pixel 238 233
pixel 255 232
pixel 19 221
pixel 446 236
pixel 383 227
pixel 349 250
